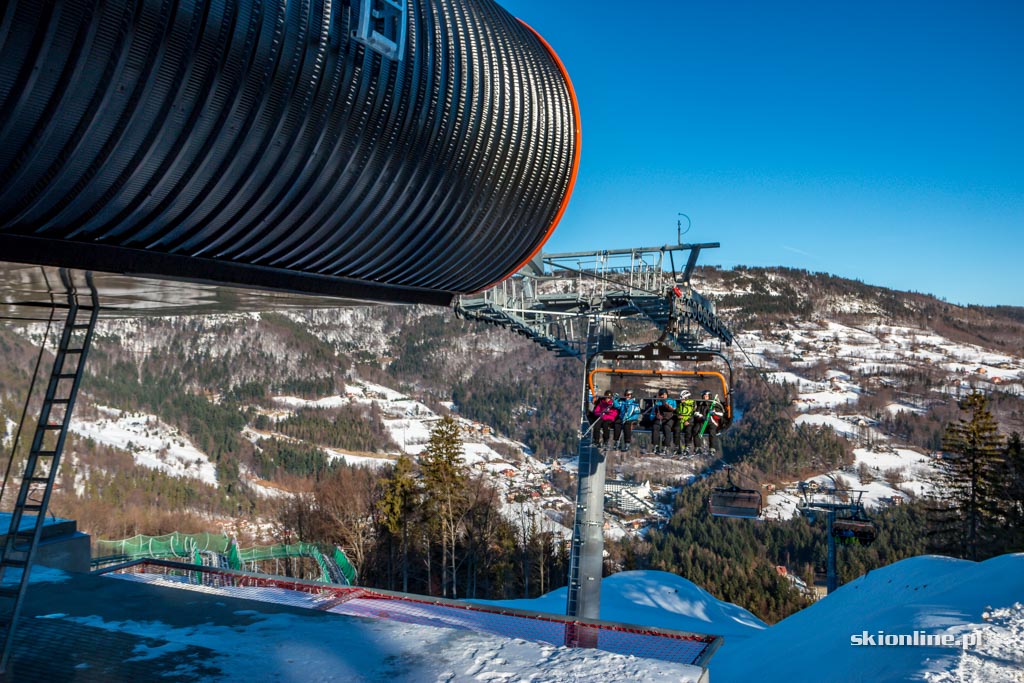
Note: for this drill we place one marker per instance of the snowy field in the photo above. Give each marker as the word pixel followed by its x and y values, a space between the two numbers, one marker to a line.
pixel 874 349
pixel 896 474
pixel 652 598
pixel 828 398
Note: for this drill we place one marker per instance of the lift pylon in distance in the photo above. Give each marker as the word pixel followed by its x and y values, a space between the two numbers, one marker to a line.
pixel 733 501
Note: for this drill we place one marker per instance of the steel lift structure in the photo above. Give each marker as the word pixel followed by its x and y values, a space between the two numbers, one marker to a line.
pixel 572 304
pixel 845 520
pixel 566 302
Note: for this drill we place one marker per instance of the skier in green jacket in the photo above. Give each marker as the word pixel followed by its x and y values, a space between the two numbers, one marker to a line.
pixel 685 409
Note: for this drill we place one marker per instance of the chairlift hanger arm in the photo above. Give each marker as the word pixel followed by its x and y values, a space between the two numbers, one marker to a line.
pixel 691 262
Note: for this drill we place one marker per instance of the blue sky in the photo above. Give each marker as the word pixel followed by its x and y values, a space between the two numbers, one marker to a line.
pixel 882 141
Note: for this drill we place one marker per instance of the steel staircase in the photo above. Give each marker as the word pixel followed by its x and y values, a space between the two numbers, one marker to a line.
pixel 43 461
pixel 548 336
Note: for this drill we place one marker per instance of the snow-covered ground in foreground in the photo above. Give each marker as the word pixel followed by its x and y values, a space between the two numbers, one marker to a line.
pixel 977 605
pixel 934 595
pixel 151 442
pixel 661 599
pixel 295 647
pixel 289 647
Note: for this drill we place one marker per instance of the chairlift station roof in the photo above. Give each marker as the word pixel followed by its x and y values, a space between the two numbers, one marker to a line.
pixel 405 154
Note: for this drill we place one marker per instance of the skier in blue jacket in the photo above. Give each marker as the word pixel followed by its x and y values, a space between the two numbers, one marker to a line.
pixel 629 416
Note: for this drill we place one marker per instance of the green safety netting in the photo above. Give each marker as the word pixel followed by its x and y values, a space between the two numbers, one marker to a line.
pixel 334 568
pixel 346 567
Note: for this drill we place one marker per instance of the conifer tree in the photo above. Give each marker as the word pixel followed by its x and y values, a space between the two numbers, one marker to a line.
pixel 445 485
pixel 1011 538
pixel 399 496
pixel 965 510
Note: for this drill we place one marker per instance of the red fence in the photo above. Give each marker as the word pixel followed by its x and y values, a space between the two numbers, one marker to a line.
pixel 639 641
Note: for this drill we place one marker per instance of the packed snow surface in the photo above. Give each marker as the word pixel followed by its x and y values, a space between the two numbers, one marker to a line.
pixel 976 606
pixel 661 599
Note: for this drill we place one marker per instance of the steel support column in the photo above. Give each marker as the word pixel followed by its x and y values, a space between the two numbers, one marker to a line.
pixel 832 578
pixel 587 561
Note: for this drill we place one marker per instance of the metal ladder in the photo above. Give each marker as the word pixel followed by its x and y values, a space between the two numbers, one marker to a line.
pixel 43 461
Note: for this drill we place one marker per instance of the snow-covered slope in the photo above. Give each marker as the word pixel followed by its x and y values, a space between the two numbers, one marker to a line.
pixel 661 599
pixel 930 595
pixel 151 442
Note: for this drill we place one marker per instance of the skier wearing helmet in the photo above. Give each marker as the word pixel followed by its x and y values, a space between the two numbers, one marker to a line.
pixel 708 418
pixel 664 428
pixel 605 413
pixel 629 416
pixel 687 424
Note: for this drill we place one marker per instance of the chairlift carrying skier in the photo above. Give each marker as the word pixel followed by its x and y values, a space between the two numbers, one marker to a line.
pixel 605 413
pixel 665 429
pixel 687 424
pixel 710 413
pixel 628 417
